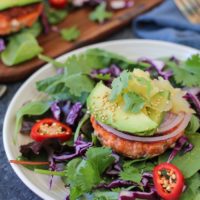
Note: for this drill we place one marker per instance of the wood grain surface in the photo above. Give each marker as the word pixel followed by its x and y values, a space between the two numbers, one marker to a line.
pixel 55 46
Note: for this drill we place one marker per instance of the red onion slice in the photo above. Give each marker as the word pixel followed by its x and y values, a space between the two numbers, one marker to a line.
pixel 178 130
pixel 170 123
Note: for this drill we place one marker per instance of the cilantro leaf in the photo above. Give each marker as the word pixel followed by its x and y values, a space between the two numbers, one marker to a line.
pixel 95 155
pixel 187 73
pixel 84 174
pixel 55 16
pixel 192 64
pixel 132 170
pixel 105 195
pixel 100 14
pixel 75 84
pixel 133 102
pixel 131 174
pixel 119 84
pixel 70 34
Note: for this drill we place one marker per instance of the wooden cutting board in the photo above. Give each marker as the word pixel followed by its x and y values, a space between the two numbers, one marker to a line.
pixel 55 46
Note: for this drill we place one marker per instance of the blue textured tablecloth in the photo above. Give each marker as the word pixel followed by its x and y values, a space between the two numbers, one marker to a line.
pixel 11 187
pixel 166 22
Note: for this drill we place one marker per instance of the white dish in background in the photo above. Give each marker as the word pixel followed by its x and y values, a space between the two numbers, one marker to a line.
pixel 132 49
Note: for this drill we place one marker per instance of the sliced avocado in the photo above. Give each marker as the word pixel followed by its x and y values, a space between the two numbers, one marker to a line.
pixel 161 101
pixel 114 115
pixel 155 115
pixel 5 4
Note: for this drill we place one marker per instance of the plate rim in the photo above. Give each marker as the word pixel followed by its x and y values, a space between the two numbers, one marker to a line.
pixel 17 171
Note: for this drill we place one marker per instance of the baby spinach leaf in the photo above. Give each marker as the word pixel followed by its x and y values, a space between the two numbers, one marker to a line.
pixel 188 163
pixel 192 188
pixel 31 108
pixel 21 47
pixel 193 126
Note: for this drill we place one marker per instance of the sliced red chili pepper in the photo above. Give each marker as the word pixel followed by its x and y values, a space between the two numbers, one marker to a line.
pixel 58 3
pixel 168 181
pixel 50 128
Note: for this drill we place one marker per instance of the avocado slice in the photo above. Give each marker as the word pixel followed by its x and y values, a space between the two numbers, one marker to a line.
pixel 5 4
pixel 113 115
pixel 161 101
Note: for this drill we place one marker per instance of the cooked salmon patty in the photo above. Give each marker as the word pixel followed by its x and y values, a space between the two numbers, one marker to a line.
pixel 132 149
pixel 14 19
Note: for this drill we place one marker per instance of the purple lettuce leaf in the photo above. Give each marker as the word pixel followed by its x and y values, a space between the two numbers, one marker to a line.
pixel 35 148
pixel 80 147
pixel 26 126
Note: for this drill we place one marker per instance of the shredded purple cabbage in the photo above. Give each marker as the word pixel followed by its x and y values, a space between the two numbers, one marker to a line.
pixel 66 112
pixel 2 45
pixel 193 97
pixel 132 195
pixel 158 66
pixel 53 166
pixel 56 111
pixel 74 113
pixel 80 147
pixel 45 23
pixel 115 184
pixel 146 181
pixel 113 70
pixel 115 169
pixel 183 141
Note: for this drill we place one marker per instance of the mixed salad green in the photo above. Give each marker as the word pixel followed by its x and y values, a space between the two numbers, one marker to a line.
pixel 64 143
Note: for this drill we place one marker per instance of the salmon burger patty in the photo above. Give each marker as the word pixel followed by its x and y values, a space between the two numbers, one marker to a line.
pixel 132 149
pixel 14 19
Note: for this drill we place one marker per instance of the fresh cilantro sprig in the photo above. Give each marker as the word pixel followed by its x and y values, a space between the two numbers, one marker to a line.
pixel 119 84
pixel 83 174
pixel 74 84
pixel 133 102
pixel 70 34
pixel 100 14
pixel 187 73
pixel 133 170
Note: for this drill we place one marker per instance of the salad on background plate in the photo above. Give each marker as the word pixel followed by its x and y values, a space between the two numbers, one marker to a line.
pixel 113 128
pixel 23 21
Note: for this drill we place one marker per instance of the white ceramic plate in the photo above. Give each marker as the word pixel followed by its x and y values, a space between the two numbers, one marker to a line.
pixel 132 49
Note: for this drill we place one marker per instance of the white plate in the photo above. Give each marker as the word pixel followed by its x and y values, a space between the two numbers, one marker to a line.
pixel 132 49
